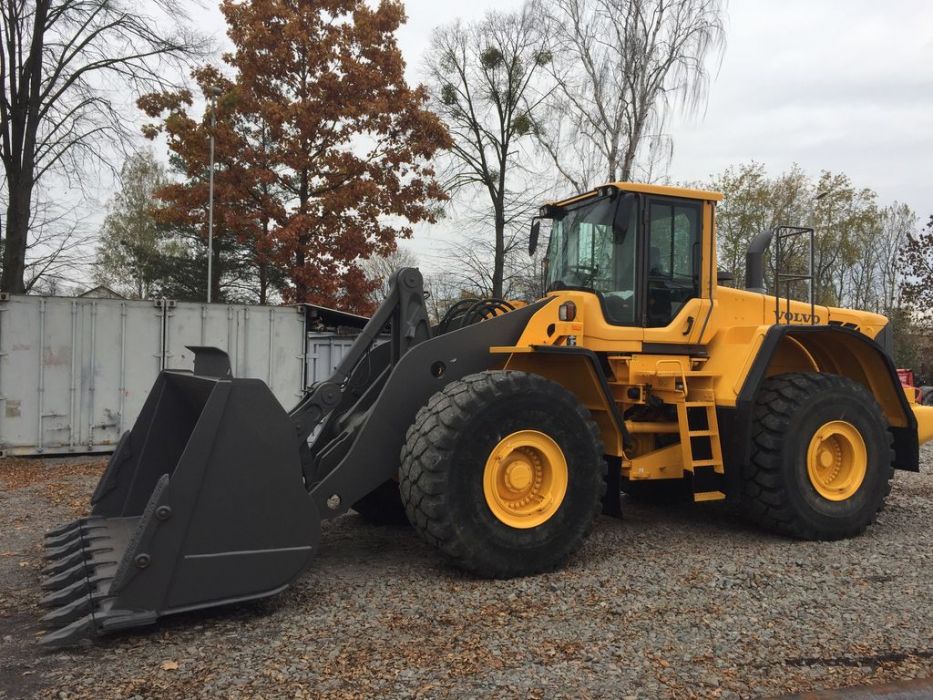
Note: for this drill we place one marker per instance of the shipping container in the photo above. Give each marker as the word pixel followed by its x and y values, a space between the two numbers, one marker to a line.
pixel 263 342
pixel 324 353
pixel 74 372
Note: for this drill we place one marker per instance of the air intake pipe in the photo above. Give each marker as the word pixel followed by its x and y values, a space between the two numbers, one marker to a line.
pixel 754 262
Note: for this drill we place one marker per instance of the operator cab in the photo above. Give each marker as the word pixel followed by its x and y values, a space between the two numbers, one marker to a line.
pixel 639 251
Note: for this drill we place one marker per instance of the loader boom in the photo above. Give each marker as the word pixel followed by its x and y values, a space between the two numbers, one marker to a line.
pixel 216 494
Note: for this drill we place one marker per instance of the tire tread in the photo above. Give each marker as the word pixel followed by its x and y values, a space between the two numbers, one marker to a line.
pixel 764 494
pixel 431 441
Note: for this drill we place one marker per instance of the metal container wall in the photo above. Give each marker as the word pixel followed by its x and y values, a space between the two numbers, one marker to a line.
pixel 263 342
pixel 74 373
pixel 324 353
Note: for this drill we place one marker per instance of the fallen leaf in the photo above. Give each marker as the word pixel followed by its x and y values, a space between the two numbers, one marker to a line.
pixel 169 665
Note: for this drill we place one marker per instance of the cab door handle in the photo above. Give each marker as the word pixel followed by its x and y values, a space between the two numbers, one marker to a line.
pixel 689 327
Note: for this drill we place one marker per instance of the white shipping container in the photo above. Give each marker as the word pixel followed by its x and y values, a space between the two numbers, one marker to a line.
pixel 324 353
pixel 74 373
pixel 263 342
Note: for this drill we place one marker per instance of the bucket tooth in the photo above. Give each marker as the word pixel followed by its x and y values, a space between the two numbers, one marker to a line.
pixel 61 540
pixel 90 555
pixel 67 594
pixel 66 529
pixel 76 545
pixel 71 535
pixel 66 614
pixel 66 577
pixel 66 562
pixel 70 634
pixel 65 550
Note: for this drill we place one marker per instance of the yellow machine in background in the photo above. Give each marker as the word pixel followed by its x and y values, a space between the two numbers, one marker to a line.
pixel 501 432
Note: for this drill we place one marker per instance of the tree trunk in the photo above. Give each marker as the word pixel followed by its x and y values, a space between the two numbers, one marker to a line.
pixel 263 265
pixel 631 150
pixel 498 268
pixel 263 283
pixel 19 152
pixel 17 230
pixel 301 288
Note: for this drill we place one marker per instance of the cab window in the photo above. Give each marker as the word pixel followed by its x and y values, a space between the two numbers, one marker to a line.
pixel 673 252
pixel 592 246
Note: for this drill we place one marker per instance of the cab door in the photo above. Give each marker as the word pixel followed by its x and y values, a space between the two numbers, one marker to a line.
pixel 674 280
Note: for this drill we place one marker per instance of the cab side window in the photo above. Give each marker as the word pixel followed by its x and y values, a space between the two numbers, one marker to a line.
pixel 673 252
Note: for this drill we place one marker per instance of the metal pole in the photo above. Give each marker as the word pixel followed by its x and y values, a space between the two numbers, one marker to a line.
pixel 817 198
pixel 210 201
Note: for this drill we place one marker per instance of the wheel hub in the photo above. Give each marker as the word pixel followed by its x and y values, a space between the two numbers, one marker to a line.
pixel 525 479
pixel 519 475
pixel 837 460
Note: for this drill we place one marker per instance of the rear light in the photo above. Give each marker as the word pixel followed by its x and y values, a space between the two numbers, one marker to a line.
pixel 567 311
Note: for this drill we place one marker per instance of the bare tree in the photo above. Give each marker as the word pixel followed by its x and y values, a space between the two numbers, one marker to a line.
pixel 381 268
pixel 898 222
pixel 620 67
pixel 916 261
pixel 60 247
pixel 474 269
pixel 444 290
pixel 483 81
pixel 62 65
pixel 845 217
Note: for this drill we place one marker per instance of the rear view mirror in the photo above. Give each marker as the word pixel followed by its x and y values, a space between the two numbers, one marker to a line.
pixel 533 237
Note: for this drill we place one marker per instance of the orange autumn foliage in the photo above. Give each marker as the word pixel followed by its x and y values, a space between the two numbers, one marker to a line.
pixel 323 150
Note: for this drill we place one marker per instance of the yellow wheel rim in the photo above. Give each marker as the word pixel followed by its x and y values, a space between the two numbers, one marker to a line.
pixel 525 479
pixel 837 460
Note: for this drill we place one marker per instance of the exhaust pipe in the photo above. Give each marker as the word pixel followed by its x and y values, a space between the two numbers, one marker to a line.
pixel 754 262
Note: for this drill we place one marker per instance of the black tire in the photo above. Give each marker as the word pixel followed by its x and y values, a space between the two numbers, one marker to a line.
pixel 383 506
pixel 443 462
pixel 777 491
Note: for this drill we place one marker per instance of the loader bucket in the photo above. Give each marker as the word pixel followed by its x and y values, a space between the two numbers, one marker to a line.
pixel 201 504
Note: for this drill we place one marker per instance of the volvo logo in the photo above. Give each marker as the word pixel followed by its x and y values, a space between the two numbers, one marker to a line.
pixel 794 317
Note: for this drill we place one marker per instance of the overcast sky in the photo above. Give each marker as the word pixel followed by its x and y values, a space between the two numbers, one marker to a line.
pixel 841 85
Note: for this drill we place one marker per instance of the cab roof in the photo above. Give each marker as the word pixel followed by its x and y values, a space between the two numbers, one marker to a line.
pixel 664 190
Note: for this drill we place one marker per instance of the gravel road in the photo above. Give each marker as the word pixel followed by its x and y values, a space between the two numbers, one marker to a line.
pixel 682 602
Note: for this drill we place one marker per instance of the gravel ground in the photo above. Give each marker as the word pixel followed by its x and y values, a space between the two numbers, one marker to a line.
pixel 682 602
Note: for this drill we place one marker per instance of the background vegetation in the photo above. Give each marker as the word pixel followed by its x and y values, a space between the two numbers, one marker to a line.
pixel 326 157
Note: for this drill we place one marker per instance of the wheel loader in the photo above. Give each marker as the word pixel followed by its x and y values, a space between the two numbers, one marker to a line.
pixel 504 430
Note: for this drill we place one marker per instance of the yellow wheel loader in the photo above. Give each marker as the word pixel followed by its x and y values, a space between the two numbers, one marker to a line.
pixel 501 432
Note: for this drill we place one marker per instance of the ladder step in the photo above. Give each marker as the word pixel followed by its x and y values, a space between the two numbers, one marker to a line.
pixel 688 374
pixel 702 433
pixel 708 496
pixel 707 463
pixel 700 404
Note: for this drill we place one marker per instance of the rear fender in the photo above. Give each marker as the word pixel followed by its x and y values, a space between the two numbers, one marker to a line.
pixel 832 350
